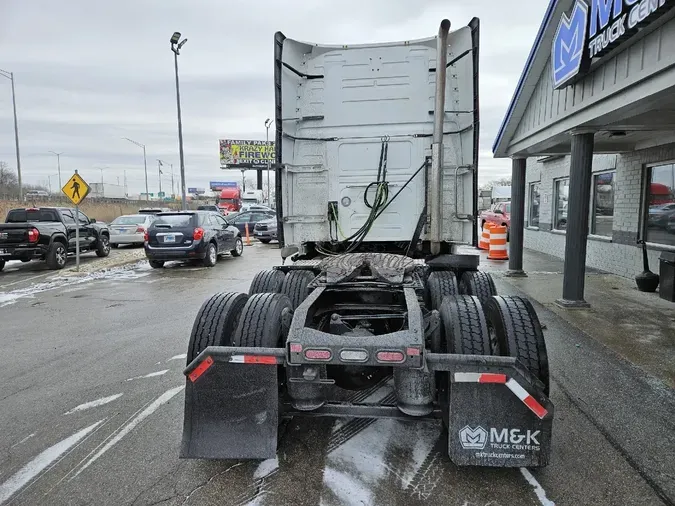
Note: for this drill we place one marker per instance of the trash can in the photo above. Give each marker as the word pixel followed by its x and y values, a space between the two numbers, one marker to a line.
pixel 667 275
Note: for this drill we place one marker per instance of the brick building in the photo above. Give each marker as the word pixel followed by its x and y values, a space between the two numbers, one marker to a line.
pixel 591 132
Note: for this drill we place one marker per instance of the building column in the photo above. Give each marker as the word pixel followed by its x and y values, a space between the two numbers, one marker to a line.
pixel 517 227
pixel 574 275
pixel 259 174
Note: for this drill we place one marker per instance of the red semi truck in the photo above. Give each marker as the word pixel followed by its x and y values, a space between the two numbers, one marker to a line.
pixel 230 200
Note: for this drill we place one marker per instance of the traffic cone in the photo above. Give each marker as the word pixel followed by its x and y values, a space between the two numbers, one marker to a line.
pixel 498 249
pixel 248 237
pixel 484 242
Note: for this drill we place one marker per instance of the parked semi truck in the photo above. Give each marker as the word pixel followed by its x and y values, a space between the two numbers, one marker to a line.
pixel 376 189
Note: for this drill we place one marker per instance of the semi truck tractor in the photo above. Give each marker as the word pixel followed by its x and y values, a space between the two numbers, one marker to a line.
pixel 376 199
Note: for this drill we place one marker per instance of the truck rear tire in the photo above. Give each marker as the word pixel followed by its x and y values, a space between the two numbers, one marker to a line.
pixel 515 331
pixel 465 327
pixel 216 322
pixel 440 284
pixel 295 286
pixel 57 255
pixel 465 332
pixel 268 281
pixel 260 324
pixel 479 284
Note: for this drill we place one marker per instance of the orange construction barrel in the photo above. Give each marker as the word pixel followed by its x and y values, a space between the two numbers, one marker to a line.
pixel 498 249
pixel 484 242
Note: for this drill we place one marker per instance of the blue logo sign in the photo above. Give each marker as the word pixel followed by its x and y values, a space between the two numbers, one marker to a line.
pixel 593 30
pixel 569 43
pixel 219 185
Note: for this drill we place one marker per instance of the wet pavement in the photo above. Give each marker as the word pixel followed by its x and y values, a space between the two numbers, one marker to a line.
pixel 91 407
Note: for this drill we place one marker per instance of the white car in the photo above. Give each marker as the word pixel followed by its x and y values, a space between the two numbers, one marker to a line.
pixel 130 229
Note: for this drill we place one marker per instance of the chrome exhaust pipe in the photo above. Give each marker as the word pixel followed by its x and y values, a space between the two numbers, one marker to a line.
pixel 435 179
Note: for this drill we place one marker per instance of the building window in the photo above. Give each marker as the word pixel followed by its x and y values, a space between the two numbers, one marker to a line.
pixel 560 195
pixel 533 220
pixel 660 215
pixel 602 221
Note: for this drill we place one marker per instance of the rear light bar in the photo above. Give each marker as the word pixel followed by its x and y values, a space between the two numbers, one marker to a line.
pixel 33 235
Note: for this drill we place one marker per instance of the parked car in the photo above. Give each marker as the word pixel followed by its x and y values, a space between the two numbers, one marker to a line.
pixel 670 226
pixel 266 231
pixel 255 207
pixel 191 235
pixel 153 210
pixel 499 214
pixel 251 218
pixel 130 229
pixel 49 234
pixel 659 216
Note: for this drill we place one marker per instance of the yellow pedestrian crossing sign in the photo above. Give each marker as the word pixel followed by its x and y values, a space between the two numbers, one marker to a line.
pixel 76 189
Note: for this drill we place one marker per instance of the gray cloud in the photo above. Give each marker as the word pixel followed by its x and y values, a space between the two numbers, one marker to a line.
pixel 90 73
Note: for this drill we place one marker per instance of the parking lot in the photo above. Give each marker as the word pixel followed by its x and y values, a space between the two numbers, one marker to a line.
pixel 91 408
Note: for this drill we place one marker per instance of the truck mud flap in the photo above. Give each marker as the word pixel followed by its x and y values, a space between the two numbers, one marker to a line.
pixel 231 404
pixel 498 413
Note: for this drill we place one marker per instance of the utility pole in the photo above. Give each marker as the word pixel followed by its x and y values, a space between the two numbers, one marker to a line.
pixel 10 76
pixel 145 165
pixel 173 192
pixel 126 192
pixel 175 47
pixel 159 174
pixel 58 165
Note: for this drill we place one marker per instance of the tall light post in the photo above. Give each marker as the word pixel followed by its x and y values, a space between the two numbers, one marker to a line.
pixel 58 164
pixel 49 179
pixel 160 164
pixel 10 76
pixel 102 185
pixel 175 47
pixel 268 122
pixel 145 165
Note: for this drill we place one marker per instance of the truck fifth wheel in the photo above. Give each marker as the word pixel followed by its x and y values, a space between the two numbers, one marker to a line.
pixel 376 188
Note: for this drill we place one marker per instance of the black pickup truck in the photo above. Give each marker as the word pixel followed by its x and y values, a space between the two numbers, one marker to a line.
pixel 48 233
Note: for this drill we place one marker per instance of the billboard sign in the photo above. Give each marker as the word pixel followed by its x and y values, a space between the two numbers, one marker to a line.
pixel 220 185
pixel 235 152
pixel 196 191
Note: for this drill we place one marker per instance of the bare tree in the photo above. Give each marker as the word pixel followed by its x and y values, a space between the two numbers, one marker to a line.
pixel 504 181
pixel 9 182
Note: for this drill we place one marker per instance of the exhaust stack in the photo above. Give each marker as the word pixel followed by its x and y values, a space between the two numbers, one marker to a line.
pixel 435 182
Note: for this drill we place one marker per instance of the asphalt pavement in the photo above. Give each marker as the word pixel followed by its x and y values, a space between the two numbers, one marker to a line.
pixel 91 410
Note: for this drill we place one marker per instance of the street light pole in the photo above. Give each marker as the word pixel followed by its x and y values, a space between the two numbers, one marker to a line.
pixel 175 47
pixel 268 122
pixel 10 76
pixel 145 165
pixel 58 164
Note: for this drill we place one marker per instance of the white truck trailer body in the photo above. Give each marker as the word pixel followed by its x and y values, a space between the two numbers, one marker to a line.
pixel 337 103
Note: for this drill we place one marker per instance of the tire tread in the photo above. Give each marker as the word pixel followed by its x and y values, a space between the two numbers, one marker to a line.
pixel 267 281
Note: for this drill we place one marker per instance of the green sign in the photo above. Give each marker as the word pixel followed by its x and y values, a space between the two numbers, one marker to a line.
pixel 161 195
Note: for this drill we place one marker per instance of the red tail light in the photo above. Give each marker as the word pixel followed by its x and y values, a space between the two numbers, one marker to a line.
pixel 390 356
pixel 33 235
pixel 140 230
pixel 198 234
pixel 317 354
pixel 146 236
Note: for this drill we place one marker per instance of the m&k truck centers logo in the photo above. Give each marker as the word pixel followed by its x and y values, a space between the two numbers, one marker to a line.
pixel 595 27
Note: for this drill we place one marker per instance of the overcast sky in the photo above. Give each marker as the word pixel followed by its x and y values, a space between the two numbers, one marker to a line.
pixel 91 72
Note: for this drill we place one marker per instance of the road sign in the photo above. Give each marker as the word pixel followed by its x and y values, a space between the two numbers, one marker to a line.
pixel 161 195
pixel 76 189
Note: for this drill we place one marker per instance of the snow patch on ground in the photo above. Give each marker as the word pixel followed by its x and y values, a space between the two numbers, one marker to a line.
pixel 265 468
pixel 125 273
